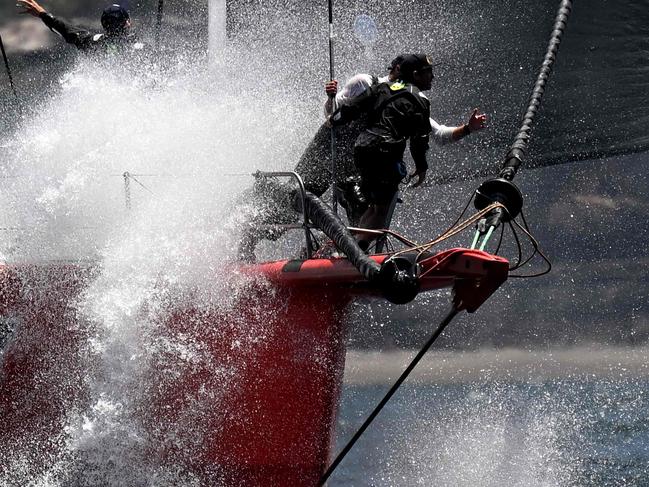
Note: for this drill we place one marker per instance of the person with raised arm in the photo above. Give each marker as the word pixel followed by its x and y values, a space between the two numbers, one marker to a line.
pixel 115 19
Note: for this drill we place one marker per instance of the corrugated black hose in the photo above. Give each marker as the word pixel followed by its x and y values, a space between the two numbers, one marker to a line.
pixel 323 217
pixel 397 278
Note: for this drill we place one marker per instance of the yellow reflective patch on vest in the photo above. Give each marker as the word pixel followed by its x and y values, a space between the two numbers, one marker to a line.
pixel 397 85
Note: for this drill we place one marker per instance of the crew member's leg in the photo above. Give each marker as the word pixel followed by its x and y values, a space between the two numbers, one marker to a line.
pixel 380 178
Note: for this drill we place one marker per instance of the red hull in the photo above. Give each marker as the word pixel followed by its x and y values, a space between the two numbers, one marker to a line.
pixel 276 426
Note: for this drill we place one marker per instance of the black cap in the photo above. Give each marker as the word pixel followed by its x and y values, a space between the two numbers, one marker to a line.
pixel 114 18
pixel 412 63
pixel 396 62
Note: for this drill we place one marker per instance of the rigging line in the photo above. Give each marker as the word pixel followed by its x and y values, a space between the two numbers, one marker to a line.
pixel 387 233
pixel 463 211
pixel 534 253
pixel 500 240
pixel 11 80
pixel 401 238
pixel 332 130
pixel 536 246
pixel 451 233
pixel 519 246
pixel 525 221
pixel 435 266
pixel 163 175
pixel 389 246
pixel 460 228
pixel 533 241
pixel 317 245
pixel 131 176
pixel 440 328
pixel 526 261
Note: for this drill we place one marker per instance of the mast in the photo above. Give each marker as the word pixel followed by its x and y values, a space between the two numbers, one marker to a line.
pixel 334 189
pixel 158 23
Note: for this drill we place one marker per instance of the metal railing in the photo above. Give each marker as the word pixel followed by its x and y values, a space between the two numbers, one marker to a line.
pixel 305 219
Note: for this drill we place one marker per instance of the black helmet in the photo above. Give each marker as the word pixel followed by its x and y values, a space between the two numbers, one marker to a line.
pixel 412 63
pixel 396 62
pixel 114 18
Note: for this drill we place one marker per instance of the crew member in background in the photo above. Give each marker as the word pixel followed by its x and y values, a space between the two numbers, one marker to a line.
pixel 115 20
pixel 397 113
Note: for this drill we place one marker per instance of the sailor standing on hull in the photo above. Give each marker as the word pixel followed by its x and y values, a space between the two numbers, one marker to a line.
pixel 275 201
pixel 314 165
pixel 115 20
pixel 398 112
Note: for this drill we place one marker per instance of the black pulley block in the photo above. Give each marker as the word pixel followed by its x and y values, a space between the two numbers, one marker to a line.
pixel 502 191
pixel 399 278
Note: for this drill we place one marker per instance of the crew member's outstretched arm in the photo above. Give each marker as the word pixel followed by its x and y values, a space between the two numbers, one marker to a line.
pixel 442 134
pixel 79 37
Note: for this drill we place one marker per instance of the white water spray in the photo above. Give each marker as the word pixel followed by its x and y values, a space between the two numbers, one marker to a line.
pixel 217 30
pixel 190 149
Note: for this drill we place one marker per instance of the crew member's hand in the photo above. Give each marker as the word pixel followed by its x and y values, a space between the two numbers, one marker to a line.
pixel 477 121
pixel 331 88
pixel 421 177
pixel 30 7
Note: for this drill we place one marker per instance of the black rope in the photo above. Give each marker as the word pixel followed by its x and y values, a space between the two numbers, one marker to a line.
pixel 457 220
pixel 537 250
pixel 11 80
pixel 390 393
pixel 518 246
pixel 518 149
pixel 500 240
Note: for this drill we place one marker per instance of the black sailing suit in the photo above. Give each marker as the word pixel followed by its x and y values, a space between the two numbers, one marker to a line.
pixel 87 41
pixel 397 113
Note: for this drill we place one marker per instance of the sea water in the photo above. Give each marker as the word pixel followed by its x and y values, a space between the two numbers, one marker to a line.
pixel 563 432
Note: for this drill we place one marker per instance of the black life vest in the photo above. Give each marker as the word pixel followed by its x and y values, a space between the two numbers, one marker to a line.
pixel 372 102
pixel 385 93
